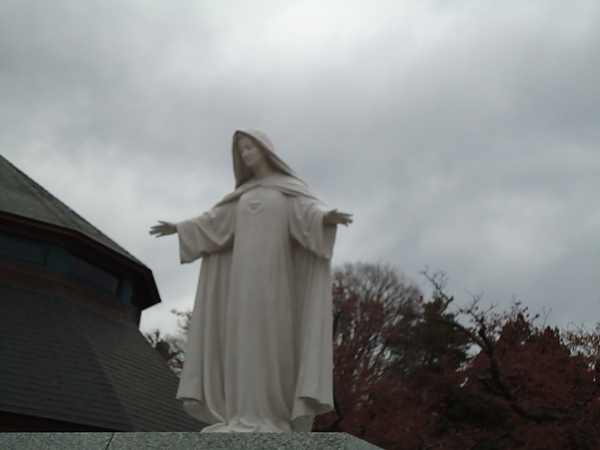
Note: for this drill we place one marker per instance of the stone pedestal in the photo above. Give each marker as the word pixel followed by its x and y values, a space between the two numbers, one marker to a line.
pixel 183 440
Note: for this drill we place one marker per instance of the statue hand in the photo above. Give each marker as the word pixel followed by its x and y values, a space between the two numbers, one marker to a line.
pixel 334 217
pixel 163 229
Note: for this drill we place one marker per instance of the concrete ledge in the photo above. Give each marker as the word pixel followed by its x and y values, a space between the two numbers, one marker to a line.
pixel 182 440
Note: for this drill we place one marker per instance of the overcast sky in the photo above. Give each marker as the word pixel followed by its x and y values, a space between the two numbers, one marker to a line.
pixel 463 135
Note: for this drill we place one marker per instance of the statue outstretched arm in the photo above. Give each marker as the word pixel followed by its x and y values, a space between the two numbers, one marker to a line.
pixel 163 229
pixel 334 217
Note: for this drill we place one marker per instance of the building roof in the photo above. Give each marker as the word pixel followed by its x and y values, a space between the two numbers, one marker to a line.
pixel 24 197
pixel 26 208
pixel 61 360
pixel 71 355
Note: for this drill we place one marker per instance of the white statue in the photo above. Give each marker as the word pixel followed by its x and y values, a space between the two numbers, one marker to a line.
pixel 259 353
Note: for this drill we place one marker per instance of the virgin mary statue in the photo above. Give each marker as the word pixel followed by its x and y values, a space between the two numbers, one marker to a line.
pixel 259 352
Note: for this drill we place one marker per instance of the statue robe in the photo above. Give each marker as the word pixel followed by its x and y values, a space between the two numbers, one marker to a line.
pixel 259 353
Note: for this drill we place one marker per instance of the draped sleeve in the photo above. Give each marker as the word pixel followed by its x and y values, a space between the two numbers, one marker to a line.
pixel 211 232
pixel 306 226
pixel 314 391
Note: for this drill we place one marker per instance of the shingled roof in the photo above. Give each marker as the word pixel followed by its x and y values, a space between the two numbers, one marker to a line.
pixel 63 361
pixel 71 356
pixel 24 197
pixel 28 208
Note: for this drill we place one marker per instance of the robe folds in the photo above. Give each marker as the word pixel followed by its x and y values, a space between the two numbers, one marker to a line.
pixel 259 352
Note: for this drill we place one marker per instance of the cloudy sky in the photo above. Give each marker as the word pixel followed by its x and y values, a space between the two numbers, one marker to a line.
pixel 463 135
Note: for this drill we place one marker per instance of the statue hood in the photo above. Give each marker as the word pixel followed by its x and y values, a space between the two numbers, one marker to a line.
pixel 285 181
pixel 243 173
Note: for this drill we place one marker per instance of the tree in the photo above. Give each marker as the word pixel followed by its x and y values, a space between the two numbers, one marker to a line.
pixel 368 301
pixel 172 347
pixel 421 375
pixel 385 344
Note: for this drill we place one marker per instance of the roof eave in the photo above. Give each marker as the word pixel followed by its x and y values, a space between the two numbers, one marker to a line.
pixel 141 276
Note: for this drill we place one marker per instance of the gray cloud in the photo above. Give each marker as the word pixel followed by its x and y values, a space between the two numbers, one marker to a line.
pixel 463 135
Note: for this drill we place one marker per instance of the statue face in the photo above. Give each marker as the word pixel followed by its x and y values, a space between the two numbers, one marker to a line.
pixel 251 154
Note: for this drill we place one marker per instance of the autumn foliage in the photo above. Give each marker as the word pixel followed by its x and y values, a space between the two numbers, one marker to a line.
pixel 416 373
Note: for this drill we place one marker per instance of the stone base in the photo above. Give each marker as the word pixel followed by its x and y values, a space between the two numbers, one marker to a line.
pixel 182 440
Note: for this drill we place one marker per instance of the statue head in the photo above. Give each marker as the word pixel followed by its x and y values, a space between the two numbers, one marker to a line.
pixel 250 151
pixel 258 140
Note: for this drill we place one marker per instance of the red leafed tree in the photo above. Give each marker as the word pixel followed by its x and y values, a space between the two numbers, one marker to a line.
pixel 172 347
pixel 385 349
pixel 527 387
pixel 410 375
pixel 369 300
